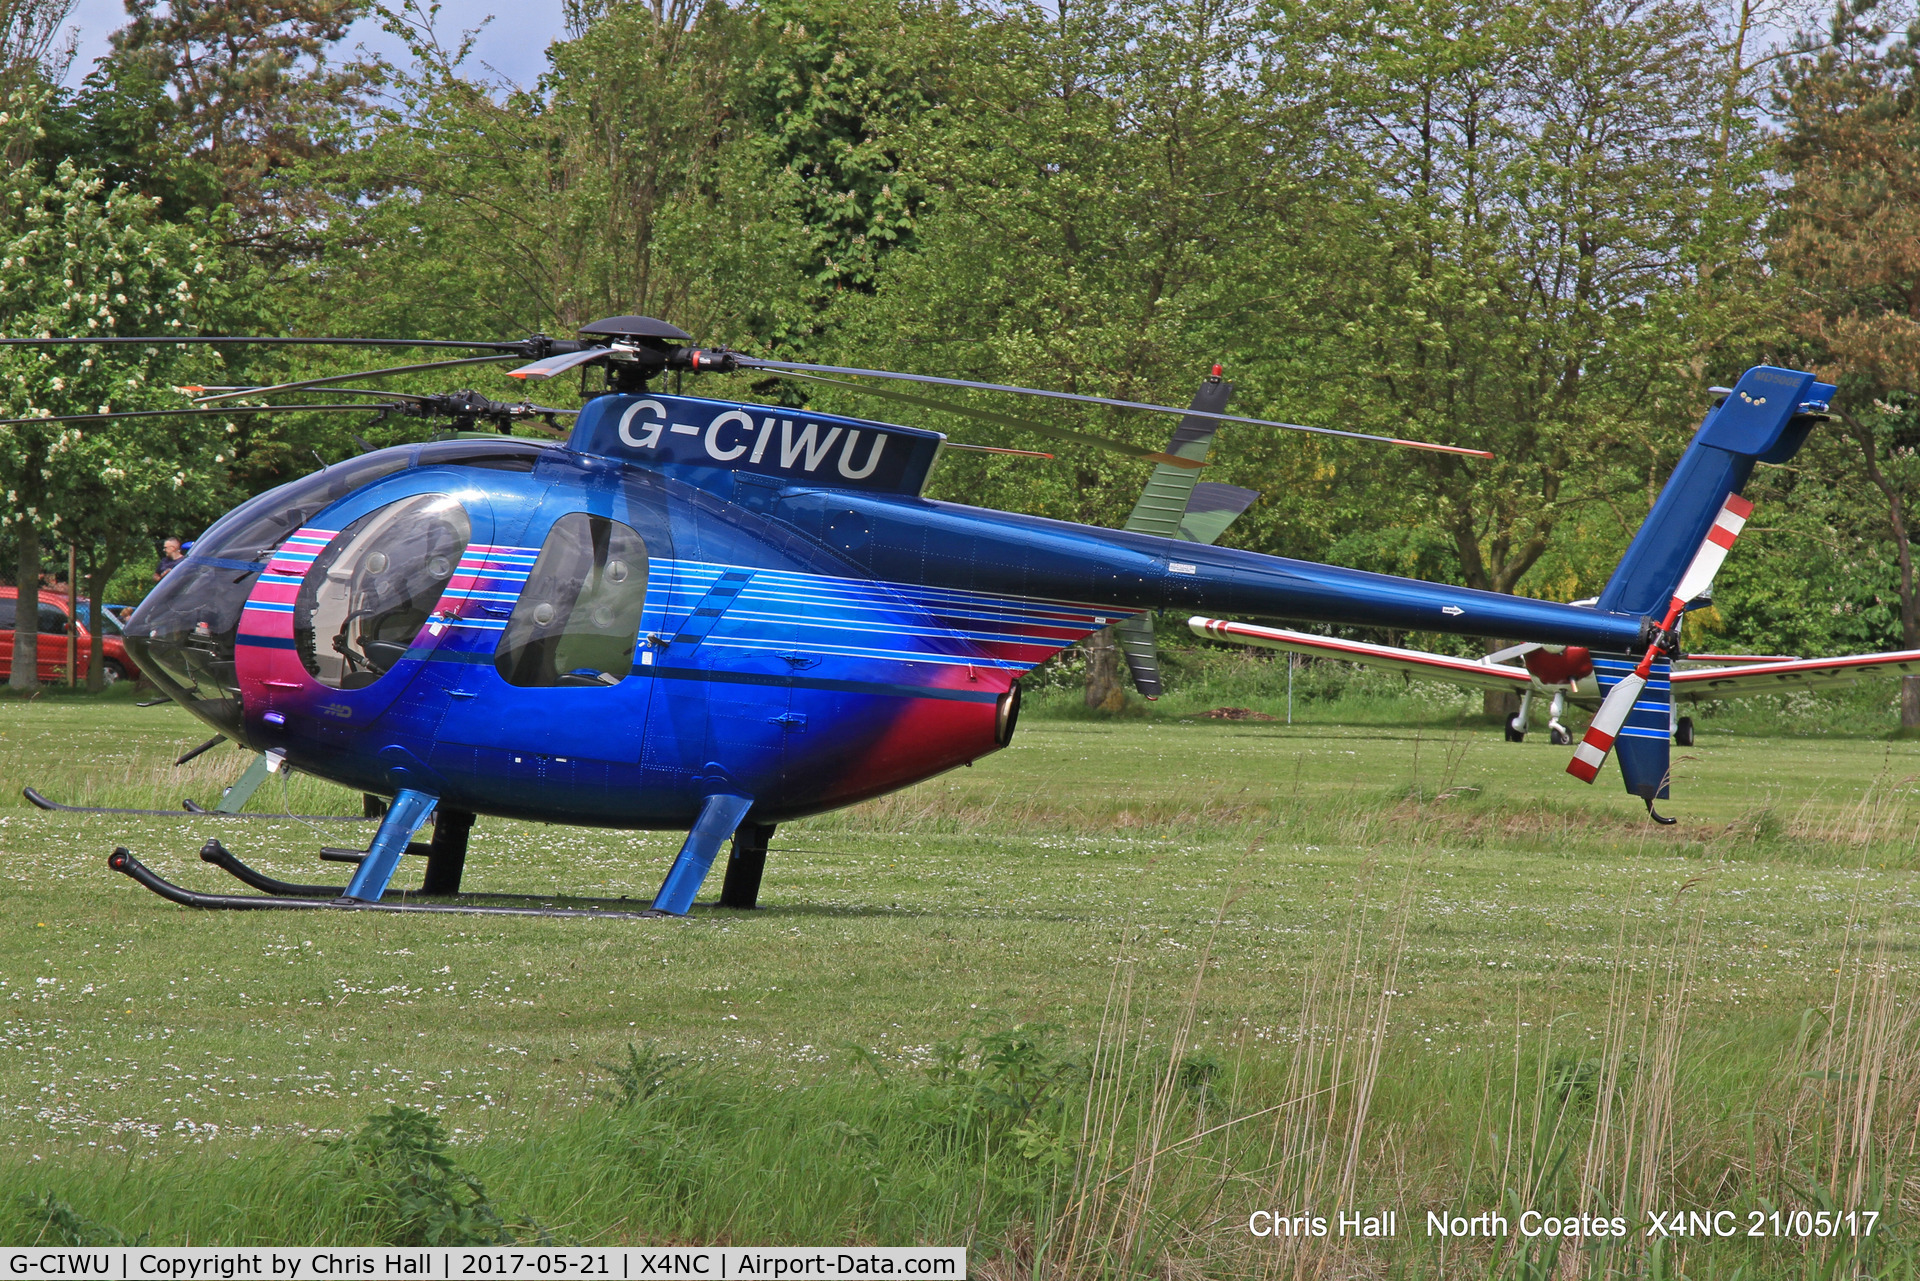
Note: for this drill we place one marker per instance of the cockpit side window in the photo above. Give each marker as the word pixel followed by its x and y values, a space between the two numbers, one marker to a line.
pixel 578 618
pixel 370 591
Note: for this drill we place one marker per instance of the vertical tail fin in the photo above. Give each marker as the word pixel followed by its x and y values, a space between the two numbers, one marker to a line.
pixel 1674 556
pixel 1160 510
pixel 1764 419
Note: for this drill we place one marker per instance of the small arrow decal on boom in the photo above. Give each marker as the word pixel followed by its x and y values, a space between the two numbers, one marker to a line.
pixel 1593 749
pixel 1452 610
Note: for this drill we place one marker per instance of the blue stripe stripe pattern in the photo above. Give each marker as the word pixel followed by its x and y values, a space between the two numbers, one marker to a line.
pixel 845 623
pixel 1652 714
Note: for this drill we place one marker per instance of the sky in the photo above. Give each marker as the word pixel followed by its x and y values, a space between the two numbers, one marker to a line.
pixel 513 45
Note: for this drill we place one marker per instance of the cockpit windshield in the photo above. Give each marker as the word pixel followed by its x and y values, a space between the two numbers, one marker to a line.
pixel 183 634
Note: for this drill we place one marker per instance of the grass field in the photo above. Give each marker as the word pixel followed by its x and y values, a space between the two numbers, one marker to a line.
pixel 1085 1008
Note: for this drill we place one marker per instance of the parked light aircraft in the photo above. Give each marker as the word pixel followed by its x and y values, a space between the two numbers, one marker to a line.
pixel 1567 674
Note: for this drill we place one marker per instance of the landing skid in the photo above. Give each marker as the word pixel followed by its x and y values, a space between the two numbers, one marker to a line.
pixel 192 806
pixel 446 856
pixel 286 896
pixel 188 810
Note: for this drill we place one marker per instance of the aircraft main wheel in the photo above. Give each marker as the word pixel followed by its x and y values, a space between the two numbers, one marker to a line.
pixel 1514 733
pixel 1559 737
pixel 1683 732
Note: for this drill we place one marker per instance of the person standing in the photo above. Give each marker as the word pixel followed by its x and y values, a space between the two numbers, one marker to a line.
pixel 170 556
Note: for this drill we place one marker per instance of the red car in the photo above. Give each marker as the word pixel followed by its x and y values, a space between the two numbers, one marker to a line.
pixel 53 641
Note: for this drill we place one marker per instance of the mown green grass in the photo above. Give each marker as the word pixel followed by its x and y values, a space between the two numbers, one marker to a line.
pixel 169 1072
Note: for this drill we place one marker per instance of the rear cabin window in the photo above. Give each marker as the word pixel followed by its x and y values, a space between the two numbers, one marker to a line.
pixel 578 620
pixel 370 591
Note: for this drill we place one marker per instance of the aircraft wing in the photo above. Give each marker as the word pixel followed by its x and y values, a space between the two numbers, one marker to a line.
pixel 1461 671
pixel 1802 673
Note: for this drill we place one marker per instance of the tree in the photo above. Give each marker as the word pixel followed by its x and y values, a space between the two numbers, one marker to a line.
pixel 625 182
pixel 1537 193
pixel 249 93
pixel 830 83
pixel 1849 245
pixel 1540 277
pixel 76 259
pixel 1117 196
pixel 30 47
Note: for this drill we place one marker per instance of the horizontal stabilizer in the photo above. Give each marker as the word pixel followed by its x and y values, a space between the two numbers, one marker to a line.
pixel 1212 508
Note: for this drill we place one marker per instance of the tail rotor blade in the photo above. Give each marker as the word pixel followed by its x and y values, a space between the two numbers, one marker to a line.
pixel 1713 550
pixel 1593 749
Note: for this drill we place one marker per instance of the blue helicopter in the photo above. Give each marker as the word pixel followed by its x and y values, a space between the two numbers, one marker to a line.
pixel 718 616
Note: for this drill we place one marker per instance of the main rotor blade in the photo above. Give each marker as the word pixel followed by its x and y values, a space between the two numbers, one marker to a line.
pixel 995 449
pixel 365 373
pixel 331 391
pixel 403 397
pixel 183 340
pixel 559 364
pixel 226 410
pixel 1006 420
pixel 755 362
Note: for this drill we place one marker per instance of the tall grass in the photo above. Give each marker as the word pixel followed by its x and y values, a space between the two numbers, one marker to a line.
pixel 1143 1154
pixel 1138 1146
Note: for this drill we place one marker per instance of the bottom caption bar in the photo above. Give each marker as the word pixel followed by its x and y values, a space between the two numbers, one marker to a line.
pixel 498 1263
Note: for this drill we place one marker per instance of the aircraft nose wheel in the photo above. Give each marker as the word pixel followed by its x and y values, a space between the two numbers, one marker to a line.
pixel 1514 733
pixel 1558 737
pixel 1683 732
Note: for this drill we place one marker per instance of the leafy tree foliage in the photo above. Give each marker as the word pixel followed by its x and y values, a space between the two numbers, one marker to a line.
pixel 1850 245
pixel 1539 228
pixel 241 90
pixel 1115 202
pixel 78 259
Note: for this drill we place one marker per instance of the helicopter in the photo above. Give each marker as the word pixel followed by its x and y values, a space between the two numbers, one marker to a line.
pixel 717 616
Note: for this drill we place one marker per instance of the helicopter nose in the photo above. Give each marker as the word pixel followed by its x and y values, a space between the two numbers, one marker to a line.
pixel 183 635
pixel 185 631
